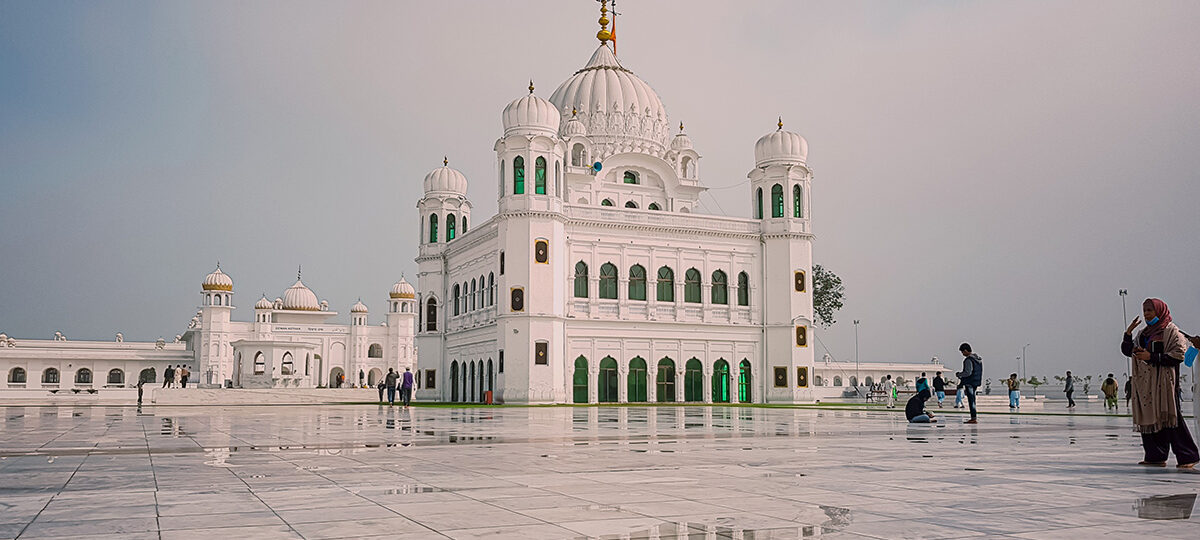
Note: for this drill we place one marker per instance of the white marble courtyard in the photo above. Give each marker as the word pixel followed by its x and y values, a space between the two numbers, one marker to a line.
pixel 560 472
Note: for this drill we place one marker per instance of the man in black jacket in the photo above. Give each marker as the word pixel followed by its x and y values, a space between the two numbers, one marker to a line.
pixel 939 387
pixel 1069 389
pixel 970 377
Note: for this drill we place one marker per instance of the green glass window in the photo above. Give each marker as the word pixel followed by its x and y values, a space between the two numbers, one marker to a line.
pixel 608 281
pixel 457 294
pixel 519 175
pixel 581 280
pixel 720 382
pixel 666 284
pixel 797 201
pixel 758 212
pixel 664 383
pixel 450 229
pixel 606 202
pixel 539 176
pixel 637 282
pixel 653 206
pixel 744 382
pixel 743 289
pixel 631 177
pixel 637 380
pixel 607 387
pixel 693 381
pixel 464 224
pixel 720 288
pixel 691 286
pixel 777 201
pixel 579 380
pixel 433 228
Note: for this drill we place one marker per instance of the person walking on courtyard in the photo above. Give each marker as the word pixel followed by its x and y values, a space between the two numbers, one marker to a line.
pixel 1128 390
pixel 381 386
pixel 1014 391
pixel 1157 352
pixel 922 383
pixel 168 376
pixel 141 382
pixel 1110 392
pixel 406 387
pixel 889 388
pixel 1070 389
pixel 970 377
pixel 390 381
pixel 915 411
pixel 184 373
pixel 939 387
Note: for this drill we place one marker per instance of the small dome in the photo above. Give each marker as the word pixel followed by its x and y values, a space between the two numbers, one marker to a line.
pixel 681 141
pixel 264 303
pixel 358 307
pixel 573 127
pixel 531 115
pixel 780 146
pixel 445 178
pixel 217 281
pixel 300 298
pixel 402 289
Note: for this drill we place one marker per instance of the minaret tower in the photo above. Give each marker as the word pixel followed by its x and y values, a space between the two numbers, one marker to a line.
pixel 401 318
pixel 214 351
pixel 444 203
pixel 779 190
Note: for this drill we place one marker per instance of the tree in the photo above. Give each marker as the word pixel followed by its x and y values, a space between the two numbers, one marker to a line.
pixel 828 293
pixel 1035 383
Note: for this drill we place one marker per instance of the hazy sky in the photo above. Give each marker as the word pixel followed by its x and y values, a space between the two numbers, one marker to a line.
pixel 985 171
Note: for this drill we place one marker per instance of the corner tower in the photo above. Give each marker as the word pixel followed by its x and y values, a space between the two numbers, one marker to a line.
pixel 215 353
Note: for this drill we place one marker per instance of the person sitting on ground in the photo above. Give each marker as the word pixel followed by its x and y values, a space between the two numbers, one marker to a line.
pixel 915 411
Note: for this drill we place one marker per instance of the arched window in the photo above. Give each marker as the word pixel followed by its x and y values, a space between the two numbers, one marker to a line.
pixel 691 286
pixel 433 228
pixel 853 380
pixel 607 383
pixel 491 289
pixel 116 376
pixel 16 375
pixel 720 288
pixel 287 367
pixel 758 212
pixel 464 224
pixel 581 280
pixel 819 381
pixel 630 177
pixel 666 284
pixel 217 299
pixel 665 380
pixel 688 167
pixel 83 376
pixel 777 201
pixel 608 281
pixel 453 380
pixel 149 375
pixel 473 294
pixel 637 282
pixel 50 376
pixel 539 176
pixel 744 395
pixel 636 380
pixel 837 380
pixel 450 227
pixel 518 175
pixel 375 351
pixel 457 293
pixel 606 202
pixel 558 179
pixel 579 381
pixel 630 204
pixel 482 292
pixel 653 206
pixel 743 289
pixel 693 380
pixel 578 156
pixel 260 363
pixel 797 201
pixel 431 315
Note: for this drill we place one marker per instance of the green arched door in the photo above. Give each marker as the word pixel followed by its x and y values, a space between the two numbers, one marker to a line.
pixel 580 380
pixel 665 383
pixel 720 382
pixel 693 381
pixel 637 379
pixel 744 382
pixel 607 387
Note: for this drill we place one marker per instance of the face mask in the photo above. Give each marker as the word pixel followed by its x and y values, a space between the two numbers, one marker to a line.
pixel 1152 322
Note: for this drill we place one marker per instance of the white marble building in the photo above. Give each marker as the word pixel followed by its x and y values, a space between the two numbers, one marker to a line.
pixel 600 279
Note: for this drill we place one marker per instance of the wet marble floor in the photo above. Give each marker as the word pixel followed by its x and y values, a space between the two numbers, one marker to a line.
pixel 323 472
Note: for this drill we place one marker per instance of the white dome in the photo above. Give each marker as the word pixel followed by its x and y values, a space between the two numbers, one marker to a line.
pixel 358 307
pixel 445 178
pixel 263 303
pixel 615 106
pixel 217 281
pixel 301 298
pixel 402 289
pixel 573 128
pixel 530 115
pixel 681 141
pixel 780 146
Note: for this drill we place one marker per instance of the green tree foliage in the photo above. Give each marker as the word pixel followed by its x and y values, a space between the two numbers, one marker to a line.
pixel 828 293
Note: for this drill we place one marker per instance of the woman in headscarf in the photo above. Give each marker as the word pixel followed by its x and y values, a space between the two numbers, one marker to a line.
pixel 1157 352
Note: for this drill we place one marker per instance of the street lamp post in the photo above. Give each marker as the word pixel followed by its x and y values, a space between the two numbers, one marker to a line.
pixel 1024 371
pixel 857 380
pixel 1125 318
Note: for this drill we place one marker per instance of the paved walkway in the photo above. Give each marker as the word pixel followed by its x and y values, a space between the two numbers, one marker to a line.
pixel 558 472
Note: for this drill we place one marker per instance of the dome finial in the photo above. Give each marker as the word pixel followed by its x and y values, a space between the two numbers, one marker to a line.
pixel 603 35
pixel 681 127
pixel 780 124
pixel 297 272
pixel 530 86
pixel 445 161
pixel 574 112
pixel 218 264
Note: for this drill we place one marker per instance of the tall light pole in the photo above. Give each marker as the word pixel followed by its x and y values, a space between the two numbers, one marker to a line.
pixel 1024 372
pixel 1125 319
pixel 857 380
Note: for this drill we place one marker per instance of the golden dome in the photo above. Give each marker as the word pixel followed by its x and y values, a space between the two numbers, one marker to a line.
pixel 217 281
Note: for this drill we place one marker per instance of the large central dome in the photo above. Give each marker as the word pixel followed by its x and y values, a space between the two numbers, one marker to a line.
pixel 621 112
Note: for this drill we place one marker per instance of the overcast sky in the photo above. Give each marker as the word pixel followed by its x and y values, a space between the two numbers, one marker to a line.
pixel 984 171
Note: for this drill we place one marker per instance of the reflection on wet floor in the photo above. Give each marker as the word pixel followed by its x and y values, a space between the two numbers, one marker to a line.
pixel 1166 507
pixel 727 527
